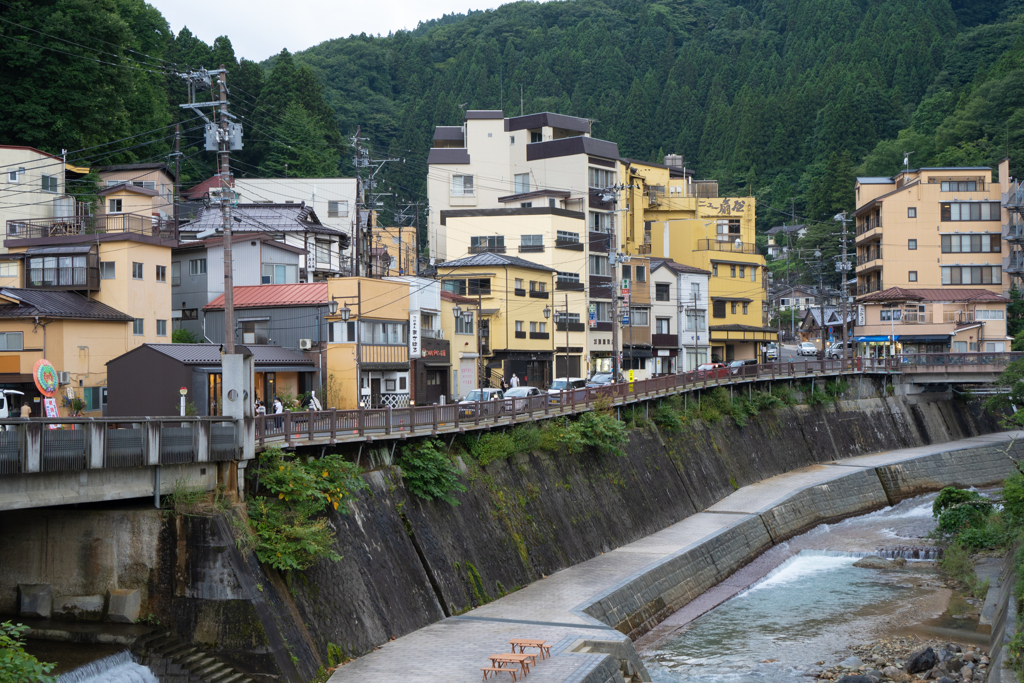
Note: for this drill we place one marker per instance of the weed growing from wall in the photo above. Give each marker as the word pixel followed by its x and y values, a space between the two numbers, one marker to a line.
pixel 429 473
pixel 495 445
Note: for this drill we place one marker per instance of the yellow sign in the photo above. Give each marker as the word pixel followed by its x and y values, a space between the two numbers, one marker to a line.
pixel 630 375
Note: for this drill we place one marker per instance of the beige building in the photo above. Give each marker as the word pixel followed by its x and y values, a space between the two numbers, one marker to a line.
pixel 931 228
pixel 143 189
pixel 395 251
pixel 31 187
pixel 465 354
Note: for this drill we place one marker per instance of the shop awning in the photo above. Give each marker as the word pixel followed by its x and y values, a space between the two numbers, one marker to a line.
pixel 636 353
pixel 366 367
pixel 438 364
pixel 876 338
pixel 924 339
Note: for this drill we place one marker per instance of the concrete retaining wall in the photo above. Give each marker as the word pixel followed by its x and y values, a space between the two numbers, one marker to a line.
pixel 971 467
pixel 856 493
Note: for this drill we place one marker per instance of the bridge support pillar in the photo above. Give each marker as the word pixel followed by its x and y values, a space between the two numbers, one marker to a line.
pixel 97 436
pixel 33 440
pixel 152 434
pixel 203 441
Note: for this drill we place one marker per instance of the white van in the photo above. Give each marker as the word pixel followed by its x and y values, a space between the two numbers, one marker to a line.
pixel 5 402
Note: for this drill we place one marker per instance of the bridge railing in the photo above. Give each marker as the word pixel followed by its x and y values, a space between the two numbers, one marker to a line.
pixel 70 444
pixel 957 362
pixel 290 428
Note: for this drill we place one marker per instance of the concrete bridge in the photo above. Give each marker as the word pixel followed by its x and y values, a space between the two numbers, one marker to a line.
pixel 46 462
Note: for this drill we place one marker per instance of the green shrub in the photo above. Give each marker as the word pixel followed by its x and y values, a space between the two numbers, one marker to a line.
pixel 183 336
pixel 287 534
pixel 784 394
pixel 819 397
pixel 837 388
pixel 1013 500
pixel 668 416
pixel 766 401
pixel 16 665
pixel 496 445
pixel 951 496
pixel 957 563
pixel 429 473
pixel 960 511
pixel 993 532
pixel 635 417
pixel 599 431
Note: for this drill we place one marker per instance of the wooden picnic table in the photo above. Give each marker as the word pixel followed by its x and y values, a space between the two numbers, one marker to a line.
pixel 523 643
pixel 523 660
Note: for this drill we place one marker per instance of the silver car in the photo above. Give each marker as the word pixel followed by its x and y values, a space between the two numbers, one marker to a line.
pixel 522 399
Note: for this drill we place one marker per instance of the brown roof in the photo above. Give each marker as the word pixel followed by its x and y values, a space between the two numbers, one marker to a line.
pixel 31 149
pixel 678 267
pixel 261 296
pixel 901 294
pixel 30 303
pixel 127 186
pixel 202 189
pixel 455 298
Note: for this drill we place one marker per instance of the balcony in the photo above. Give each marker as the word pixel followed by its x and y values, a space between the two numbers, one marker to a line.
pixel 519 291
pixel 869 287
pixel 432 334
pixel 567 286
pixel 729 246
pixel 573 327
pixel 485 249
pixel 537 294
pixel 384 356
pixel 520 335
pixel 869 224
pixel 540 335
pixel 569 244
pixel 869 259
pixel 665 341
pixel 108 224
pixel 531 248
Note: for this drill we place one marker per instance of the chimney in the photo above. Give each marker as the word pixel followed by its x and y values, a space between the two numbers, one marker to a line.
pixel 1004 174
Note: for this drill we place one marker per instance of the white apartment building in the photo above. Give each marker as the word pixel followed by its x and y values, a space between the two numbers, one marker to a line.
pixel 514 170
pixel 332 199
pixel 31 187
pixel 679 308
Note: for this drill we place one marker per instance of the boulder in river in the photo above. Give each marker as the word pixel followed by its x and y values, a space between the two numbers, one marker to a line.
pixel 893 673
pixel 851 663
pixel 922 660
pixel 873 562
pixel 855 678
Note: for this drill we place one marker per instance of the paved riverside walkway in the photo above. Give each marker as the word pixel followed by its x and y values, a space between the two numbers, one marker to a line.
pixel 453 650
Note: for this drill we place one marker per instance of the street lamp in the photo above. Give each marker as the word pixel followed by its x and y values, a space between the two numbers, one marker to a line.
pixel 332 306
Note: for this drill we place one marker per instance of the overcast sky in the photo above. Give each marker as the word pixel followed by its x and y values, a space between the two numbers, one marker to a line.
pixel 261 28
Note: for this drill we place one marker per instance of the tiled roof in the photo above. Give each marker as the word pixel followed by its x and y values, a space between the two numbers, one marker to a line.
pixel 491 259
pixel 785 228
pixel 126 186
pixel 901 294
pixel 152 166
pixel 56 304
pixel 455 298
pixel 264 218
pixel 206 354
pixel 677 267
pixel 217 241
pixel 262 296
pixel 199 191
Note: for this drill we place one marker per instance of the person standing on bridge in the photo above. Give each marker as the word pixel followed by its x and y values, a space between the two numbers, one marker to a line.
pixel 514 382
pixel 278 409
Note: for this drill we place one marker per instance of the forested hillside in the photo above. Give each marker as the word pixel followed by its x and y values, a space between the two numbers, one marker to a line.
pixel 785 99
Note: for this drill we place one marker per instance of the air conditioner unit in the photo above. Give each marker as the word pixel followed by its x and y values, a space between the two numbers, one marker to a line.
pixel 64 377
pixel 305 344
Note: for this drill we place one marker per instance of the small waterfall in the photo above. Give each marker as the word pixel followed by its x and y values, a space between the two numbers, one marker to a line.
pixel 119 668
pixel 911 552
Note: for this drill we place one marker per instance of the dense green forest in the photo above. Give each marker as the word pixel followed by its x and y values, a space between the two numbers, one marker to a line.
pixel 787 100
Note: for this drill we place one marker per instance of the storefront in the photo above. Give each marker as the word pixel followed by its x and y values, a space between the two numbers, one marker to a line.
pixel 878 346
pixel 639 359
pixel 431 373
pixel 914 343
pixel 664 361
pixel 532 368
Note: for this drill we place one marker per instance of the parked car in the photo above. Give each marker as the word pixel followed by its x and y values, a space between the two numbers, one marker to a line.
pixel 562 384
pixel 739 367
pixel 5 402
pixel 711 370
pixel 772 352
pixel 601 379
pixel 467 406
pixel 808 349
pixel 835 350
pixel 519 399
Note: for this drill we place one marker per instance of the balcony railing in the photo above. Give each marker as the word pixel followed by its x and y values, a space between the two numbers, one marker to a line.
pixel 869 255
pixel 536 294
pixel 520 335
pixel 1013 231
pixel 383 354
pixel 569 244
pixel 573 327
pixel 665 340
pixel 539 335
pixel 1014 263
pixel 568 286
pixel 727 246
pixel 1014 197
pixel 867 288
pixel 108 224
pixel 519 291
pixel 432 334
pixel 869 224
pixel 531 248
pixel 484 248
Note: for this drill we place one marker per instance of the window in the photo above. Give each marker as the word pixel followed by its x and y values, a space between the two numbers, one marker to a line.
pixel 12 341
pixel 912 245
pixel 959 347
pixel 389 385
pixel 718 309
pixel 662 326
pixel 732 271
pixel 911 212
pixel 602 312
pixel 753 273
pixel 255 331
pixel 695 289
pixel 912 276
pixel 533 327
pixel 136 270
pixel 568 278
pixel 519 326
pixel 375 332
pixel 522 183
pixel 8 269
pixel 995 347
pixel 175 273
pixel 161 328
pixel 531 243
pixel 662 291
pixel 972 275
pixel 487 243
pixel 574 318
pixel 323 253
pixel 525 205
pixel 462 186
pixel 743 271
pixel 94 398
pixel 138 327
pixel 599 265
pixel 889 315
pixel 627 272
pixel 190 314
pixel 600 222
pixel 565 236
pixel 733 308
pixel 745 308
pixel 538 286
pixel 50 184
pixel 161 273
pixel 519 283
pixel 959 244
pixel 464 323
pixel 641 273
pixel 981 314
pixel 148 184
pixel 56 271
pixel 600 178
pixel 714 270
pixel 280 274
pixel 970 211
pixel 337 209
pixel 695 319
pixel 727 229
pixel 552 203
pixel 639 317
pixel 114 206
pixel 197 266
pixel 960 186
pixel 12 176
pixel 480 286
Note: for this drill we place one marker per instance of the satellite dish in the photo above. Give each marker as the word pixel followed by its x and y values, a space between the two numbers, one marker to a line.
pixel 738 243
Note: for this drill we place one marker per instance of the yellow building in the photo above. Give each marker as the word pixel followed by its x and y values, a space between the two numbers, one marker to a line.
pixel 146 189
pixel 520 311
pixel 368 344
pixel 394 251
pixel 80 301
pixel 668 214
pixel 461 333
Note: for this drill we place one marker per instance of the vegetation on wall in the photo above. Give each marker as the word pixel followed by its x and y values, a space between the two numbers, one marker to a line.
pixel 16 665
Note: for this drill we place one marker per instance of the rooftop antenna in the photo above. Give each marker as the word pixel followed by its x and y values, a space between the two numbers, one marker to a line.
pixel 906 165
pixel 520 99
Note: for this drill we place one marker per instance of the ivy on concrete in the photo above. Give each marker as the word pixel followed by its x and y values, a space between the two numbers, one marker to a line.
pixel 429 473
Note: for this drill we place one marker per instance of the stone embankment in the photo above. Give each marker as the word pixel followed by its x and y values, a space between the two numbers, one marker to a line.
pixel 897 660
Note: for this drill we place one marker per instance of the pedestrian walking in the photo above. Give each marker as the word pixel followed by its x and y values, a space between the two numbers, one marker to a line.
pixel 514 382
pixel 314 402
pixel 26 410
pixel 278 409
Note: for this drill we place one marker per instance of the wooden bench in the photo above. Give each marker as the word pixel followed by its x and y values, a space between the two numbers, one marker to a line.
pixel 523 643
pixel 523 660
pixel 496 670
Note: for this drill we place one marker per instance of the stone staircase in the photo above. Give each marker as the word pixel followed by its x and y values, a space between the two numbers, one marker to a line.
pixel 175 662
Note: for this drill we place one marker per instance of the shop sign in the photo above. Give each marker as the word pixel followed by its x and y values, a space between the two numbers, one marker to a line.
pixel 861 318
pixel 593 315
pixel 414 335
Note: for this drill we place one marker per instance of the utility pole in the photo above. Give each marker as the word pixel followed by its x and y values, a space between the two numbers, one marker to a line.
pixel 367 200
pixel 843 268
pixel 225 214
pixel 177 175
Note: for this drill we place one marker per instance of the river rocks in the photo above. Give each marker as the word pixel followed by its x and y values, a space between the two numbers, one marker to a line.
pixel 893 673
pixel 873 562
pixel 851 663
pixel 856 679
pixel 920 661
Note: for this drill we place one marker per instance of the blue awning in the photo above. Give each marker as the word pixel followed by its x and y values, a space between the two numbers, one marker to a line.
pixel 876 338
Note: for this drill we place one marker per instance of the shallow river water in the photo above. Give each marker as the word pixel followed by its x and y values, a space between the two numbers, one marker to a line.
pixel 807 604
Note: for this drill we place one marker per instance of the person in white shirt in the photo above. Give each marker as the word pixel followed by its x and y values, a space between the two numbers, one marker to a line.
pixel 514 382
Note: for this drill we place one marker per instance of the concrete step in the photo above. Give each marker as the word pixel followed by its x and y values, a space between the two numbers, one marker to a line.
pixel 157 640
pixel 235 677
pixel 196 660
pixel 179 650
pixel 211 670
pixel 222 676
